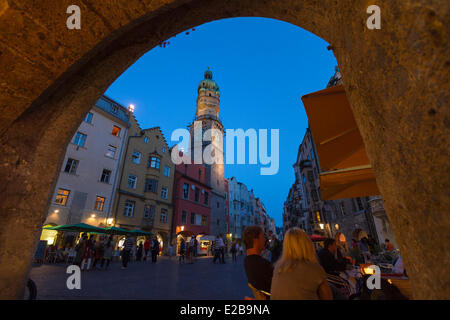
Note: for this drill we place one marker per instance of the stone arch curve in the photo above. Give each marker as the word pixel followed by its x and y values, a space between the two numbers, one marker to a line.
pixel 395 79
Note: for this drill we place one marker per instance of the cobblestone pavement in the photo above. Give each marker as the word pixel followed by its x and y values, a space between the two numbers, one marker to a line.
pixel 166 279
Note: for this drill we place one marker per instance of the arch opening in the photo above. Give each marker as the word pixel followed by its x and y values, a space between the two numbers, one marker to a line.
pixel 33 134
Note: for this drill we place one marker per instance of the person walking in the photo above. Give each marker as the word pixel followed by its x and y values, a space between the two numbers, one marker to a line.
pixel 99 252
pixel 233 250
pixel 297 274
pixel 195 247
pixel 220 245
pixel 80 247
pixel 146 248
pixel 126 252
pixel 139 252
pixel 87 253
pixel 170 251
pixel 191 250
pixel 107 254
pixel 215 251
pixel 182 250
pixel 155 250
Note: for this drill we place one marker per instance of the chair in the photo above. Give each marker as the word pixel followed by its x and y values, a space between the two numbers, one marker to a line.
pixel 259 294
pixel 340 284
pixel 51 257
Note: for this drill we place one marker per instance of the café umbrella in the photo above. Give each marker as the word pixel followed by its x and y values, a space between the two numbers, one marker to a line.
pixel 116 231
pixel 79 227
pixel 138 232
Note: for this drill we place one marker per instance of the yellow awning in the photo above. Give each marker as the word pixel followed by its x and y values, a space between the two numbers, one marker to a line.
pixel 346 171
pixel 348 183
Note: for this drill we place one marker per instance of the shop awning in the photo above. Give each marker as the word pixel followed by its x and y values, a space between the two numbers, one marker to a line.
pixel 352 183
pixel 345 167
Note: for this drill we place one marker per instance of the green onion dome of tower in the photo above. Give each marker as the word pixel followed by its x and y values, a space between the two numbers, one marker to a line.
pixel 208 83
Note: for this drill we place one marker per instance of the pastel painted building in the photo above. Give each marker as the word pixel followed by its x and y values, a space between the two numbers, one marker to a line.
pixel 192 202
pixel 85 187
pixel 144 192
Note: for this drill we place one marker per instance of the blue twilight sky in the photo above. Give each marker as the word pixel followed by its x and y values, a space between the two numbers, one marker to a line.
pixel 262 67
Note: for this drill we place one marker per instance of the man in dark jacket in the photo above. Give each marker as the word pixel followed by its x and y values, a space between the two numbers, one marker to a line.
pixel 328 260
pixel 155 250
pixel 259 271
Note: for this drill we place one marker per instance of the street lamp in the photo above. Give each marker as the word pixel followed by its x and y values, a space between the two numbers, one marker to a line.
pixel 109 221
pixel 182 228
pixel 321 226
pixel 336 226
pixel 131 107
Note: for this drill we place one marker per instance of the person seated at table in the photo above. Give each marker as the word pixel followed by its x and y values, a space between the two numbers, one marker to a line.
pixel 60 255
pixel 328 259
pixel 297 274
pixel 389 245
pixel 259 271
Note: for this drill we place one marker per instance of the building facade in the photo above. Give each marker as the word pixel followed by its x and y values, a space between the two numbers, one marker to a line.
pixel 85 188
pixel 382 225
pixel 192 202
pixel 239 204
pixel 304 206
pixel 144 194
pixel 246 209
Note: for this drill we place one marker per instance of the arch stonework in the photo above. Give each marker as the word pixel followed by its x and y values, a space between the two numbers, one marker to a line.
pixel 396 78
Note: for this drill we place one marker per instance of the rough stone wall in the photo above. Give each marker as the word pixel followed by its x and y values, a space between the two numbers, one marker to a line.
pixel 396 79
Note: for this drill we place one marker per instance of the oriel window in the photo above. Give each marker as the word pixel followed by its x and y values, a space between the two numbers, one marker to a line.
pixel 154 162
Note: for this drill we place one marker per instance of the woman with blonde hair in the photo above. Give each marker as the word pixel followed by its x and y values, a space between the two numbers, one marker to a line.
pixel 297 274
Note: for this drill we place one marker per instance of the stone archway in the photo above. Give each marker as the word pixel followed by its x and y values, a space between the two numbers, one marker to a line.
pixel 395 78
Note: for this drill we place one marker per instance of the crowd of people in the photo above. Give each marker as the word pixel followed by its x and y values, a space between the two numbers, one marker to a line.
pixel 188 251
pixel 296 270
pixel 92 254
